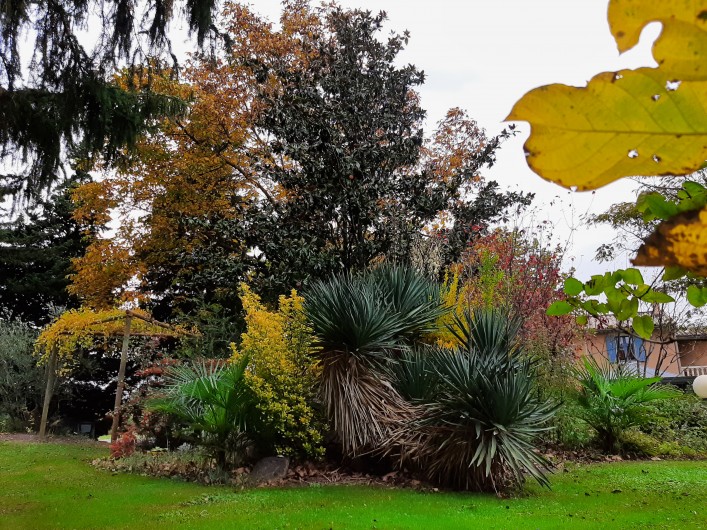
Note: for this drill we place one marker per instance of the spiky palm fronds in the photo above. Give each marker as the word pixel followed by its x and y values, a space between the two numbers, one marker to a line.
pixel 484 414
pixel 212 398
pixel 489 331
pixel 363 322
pixel 484 421
pixel 612 398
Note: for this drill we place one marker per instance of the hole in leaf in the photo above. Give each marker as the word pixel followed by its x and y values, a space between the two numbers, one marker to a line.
pixel 656 159
pixel 655 97
pixel 671 86
pixel 573 188
pixel 633 153
pixel 617 76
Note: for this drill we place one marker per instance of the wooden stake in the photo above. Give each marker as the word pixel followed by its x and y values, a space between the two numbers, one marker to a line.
pixel 48 392
pixel 121 380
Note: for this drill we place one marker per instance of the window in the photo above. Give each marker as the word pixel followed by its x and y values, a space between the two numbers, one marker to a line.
pixel 625 348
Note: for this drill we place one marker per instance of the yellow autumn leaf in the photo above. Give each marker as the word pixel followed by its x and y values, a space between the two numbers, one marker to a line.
pixel 650 121
pixel 680 241
pixel 681 46
pixel 629 123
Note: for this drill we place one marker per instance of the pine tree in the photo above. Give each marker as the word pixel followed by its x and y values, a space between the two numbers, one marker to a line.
pixel 66 100
pixel 35 259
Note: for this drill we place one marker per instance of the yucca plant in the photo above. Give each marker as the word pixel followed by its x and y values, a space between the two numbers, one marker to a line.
pixel 612 398
pixel 363 322
pixel 481 425
pixel 212 399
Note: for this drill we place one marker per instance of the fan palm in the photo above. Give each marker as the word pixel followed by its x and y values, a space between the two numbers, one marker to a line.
pixel 212 399
pixel 612 398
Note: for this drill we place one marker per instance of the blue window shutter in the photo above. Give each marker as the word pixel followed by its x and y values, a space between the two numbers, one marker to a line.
pixel 639 349
pixel 611 348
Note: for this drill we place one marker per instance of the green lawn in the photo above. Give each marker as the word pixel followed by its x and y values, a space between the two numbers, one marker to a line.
pixel 53 486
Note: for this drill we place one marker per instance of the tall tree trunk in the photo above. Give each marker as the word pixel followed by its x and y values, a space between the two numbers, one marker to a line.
pixel 121 380
pixel 48 392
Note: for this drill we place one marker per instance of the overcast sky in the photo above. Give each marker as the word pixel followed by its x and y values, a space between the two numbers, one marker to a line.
pixel 483 55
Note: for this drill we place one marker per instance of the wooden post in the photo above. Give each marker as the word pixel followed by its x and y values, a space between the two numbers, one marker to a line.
pixel 48 392
pixel 121 380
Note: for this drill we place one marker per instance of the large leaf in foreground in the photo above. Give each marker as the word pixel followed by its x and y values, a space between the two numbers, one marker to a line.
pixel 625 123
pixel 650 121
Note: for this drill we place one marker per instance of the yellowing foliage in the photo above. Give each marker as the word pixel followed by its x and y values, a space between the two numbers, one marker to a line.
pixel 647 122
pixel 681 241
pixel 282 373
pixel 650 121
pixel 80 328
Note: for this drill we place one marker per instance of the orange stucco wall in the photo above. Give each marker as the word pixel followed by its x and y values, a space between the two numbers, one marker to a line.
pixel 663 358
pixel 693 352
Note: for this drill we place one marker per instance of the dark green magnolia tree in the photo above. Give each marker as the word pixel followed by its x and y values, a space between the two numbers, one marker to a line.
pixel 66 98
pixel 362 180
pixel 35 260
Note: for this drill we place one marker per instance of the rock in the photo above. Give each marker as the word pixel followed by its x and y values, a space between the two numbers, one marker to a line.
pixel 269 468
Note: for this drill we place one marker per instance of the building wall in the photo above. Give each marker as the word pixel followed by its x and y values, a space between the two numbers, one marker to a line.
pixel 693 352
pixel 596 346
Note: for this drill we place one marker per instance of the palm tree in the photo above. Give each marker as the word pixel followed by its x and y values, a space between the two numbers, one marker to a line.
pixel 212 399
pixel 482 412
pixel 612 398
pixel 363 322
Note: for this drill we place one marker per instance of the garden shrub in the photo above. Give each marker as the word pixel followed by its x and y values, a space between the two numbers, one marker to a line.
pixel 21 381
pixel 212 399
pixel 483 412
pixel 283 375
pixel 682 420
pixel 613 399
pixel 640 443
pixel 125 444
pixel 570 431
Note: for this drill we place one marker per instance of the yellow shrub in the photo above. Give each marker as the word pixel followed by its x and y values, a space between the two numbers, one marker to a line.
pixel 282 374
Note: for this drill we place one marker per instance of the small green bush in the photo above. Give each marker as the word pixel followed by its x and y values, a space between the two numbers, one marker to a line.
pixel 570 431
pixel 613 399
pixel 682 421
pixel 21 381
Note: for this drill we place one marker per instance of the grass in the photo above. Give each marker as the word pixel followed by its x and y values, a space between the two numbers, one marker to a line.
pixel 53 486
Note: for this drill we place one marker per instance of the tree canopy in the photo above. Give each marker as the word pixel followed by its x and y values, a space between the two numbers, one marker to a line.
pixel 302 154
pixel 35 261
pixel 62 97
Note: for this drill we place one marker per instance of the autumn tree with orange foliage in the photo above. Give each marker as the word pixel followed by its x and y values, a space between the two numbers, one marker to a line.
pixel 302 154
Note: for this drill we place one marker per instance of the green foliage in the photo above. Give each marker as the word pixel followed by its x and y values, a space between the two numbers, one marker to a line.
pixel 283 376
pixel 21 381
pixel 69 100
pixel 569 431
pixel 623 290
pixel 613 399
pixel 681 421
pixel 214 402
pixel 485 414
pixel 635 441
pixel 37 248
pixel 369 313
pixel 363 180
